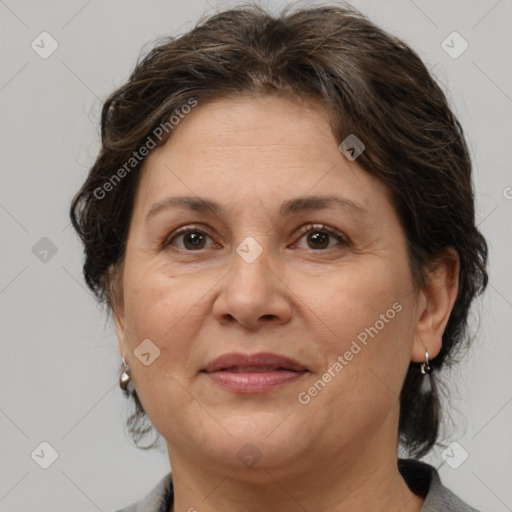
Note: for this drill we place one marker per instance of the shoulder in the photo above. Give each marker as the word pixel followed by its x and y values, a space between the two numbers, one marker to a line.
pixel 159 499
pixel 423 479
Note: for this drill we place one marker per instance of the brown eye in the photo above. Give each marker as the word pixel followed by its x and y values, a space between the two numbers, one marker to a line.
pixel 320 237
pixel 194 240
pixel 318 240
pixel 189 240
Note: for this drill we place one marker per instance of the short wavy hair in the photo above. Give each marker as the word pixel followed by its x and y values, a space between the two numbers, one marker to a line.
pixel 371 83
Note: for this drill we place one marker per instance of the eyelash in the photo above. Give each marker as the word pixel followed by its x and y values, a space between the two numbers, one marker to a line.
pixel 310 227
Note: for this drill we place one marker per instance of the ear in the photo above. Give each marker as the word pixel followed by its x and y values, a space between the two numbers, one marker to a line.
pixel 435 304
pixel 120 330
pixel 117 306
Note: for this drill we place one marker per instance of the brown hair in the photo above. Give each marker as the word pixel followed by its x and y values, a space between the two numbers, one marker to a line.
pixel 371 83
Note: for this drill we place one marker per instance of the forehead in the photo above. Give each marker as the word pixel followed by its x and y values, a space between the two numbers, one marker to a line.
pixel 254 149
pixel 270 126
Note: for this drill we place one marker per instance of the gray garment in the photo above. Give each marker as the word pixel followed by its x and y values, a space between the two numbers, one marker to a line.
pixel 421 478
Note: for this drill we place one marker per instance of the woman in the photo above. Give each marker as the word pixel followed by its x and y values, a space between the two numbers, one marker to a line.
pixel 281 222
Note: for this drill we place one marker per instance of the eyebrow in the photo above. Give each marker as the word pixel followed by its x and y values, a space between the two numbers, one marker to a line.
pixel 295 205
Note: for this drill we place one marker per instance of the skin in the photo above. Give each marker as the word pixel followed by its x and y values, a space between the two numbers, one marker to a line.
pixel 338 452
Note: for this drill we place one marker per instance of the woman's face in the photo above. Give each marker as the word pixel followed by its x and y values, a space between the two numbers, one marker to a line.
pixel 291 250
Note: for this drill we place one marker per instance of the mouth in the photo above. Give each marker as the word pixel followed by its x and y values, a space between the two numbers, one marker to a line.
pixel 253 369
pixel 256 373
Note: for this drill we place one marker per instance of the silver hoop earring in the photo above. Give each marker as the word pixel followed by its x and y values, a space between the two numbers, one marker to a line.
pixel 125 379
pixel 425 367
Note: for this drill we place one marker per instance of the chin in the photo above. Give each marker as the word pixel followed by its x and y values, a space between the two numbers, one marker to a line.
pixel 258 443
pixel 254 462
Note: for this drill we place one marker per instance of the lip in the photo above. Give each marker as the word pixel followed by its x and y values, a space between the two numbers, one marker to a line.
pixel 249 361
pixel 253 373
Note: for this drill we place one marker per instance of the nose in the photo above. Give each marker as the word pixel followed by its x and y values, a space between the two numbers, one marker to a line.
pixel 253 294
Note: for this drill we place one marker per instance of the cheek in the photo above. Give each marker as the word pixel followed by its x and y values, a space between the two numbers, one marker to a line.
pixel 367 318
pixel 157 298
pixel 158 308
pixel 354 299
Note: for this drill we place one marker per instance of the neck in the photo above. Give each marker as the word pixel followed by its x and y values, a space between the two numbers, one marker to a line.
pixel 352 479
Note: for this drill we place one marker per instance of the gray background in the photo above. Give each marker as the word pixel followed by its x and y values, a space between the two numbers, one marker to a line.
pixel 59 361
